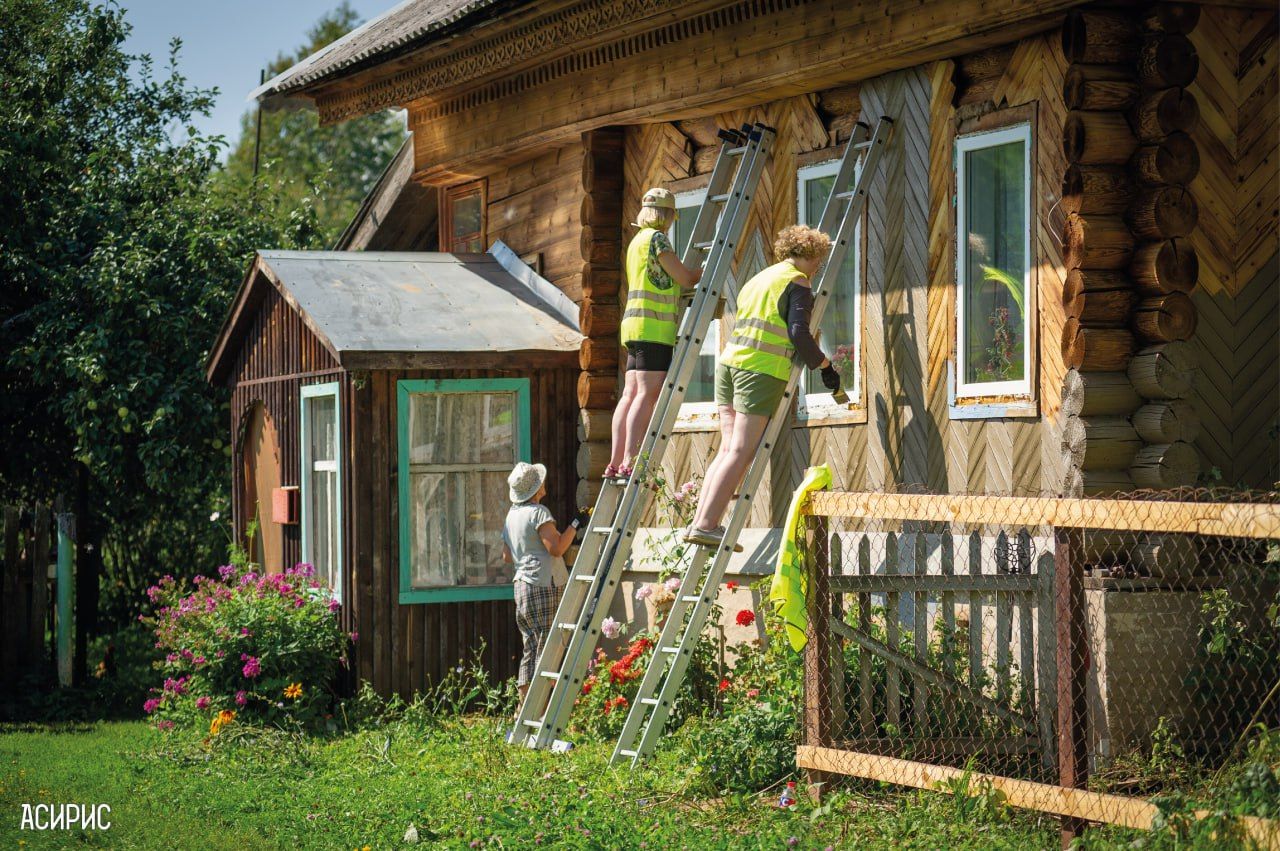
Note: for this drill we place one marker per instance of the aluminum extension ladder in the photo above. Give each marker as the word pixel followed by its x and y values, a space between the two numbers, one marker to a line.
pixel 674 649
pixel 606 549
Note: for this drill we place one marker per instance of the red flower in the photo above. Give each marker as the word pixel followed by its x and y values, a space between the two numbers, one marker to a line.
pixel 725 685
pixel 732 586
pixel 746 617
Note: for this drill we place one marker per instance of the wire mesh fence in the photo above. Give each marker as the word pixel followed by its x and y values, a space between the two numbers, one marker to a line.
pixel 1093 658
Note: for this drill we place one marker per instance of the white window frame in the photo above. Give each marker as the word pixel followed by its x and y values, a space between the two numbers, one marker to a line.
pixel 1020 132
pixel 818 405
pixel 307 467
pixel 696 415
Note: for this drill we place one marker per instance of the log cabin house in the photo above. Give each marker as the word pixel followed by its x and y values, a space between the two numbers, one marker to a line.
pixel 1066 277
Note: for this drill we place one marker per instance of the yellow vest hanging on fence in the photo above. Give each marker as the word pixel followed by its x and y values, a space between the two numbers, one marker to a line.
pixel 760 342
pixel 651 312
pixel 790 586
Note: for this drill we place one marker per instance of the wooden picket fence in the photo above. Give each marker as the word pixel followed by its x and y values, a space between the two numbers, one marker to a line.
pixel 34 616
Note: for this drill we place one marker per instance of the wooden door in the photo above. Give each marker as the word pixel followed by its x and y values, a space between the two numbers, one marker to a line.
pixel 260 455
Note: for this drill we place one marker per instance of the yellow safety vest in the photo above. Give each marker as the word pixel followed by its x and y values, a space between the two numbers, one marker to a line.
pixel 760 342
pixel 651 313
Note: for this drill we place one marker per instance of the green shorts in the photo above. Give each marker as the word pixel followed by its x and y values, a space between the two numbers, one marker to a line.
pixel 748 392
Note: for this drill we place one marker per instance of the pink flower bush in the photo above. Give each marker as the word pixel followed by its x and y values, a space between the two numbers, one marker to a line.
pixel 644 592
pixel 672 584
pixel 237 639
pixel 611 628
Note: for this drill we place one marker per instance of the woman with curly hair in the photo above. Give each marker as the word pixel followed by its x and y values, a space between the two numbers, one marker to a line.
pixel 771 326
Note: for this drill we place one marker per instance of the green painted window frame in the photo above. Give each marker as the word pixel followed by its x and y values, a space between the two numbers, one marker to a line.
pixel 407 388
pixel 305 394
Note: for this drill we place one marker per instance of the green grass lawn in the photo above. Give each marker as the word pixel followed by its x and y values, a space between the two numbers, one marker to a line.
pixel 455 780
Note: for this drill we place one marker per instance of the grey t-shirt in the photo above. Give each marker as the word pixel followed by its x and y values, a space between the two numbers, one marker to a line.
pixel 534 564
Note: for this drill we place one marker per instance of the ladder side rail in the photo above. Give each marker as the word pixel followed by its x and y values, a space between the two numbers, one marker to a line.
pixel 844 175
pixel 723 175
pixel 674 674
pixel 617 548
pixel 571 601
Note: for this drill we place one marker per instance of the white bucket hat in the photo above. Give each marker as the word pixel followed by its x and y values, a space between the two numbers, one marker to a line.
pixel 525 480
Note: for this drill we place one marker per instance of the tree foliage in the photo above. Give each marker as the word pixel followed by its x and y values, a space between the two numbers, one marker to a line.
pixel 121 246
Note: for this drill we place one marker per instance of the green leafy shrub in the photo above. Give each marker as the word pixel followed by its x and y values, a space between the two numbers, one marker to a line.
pixel 243 645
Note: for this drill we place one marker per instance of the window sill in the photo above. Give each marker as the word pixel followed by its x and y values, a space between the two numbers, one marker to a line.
pixel 703 417
pixel 831 415
pixel 457 594
pixel 993 408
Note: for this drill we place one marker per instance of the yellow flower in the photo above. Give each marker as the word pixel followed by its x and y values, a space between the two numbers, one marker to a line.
pixel 293 691
pixel 221 720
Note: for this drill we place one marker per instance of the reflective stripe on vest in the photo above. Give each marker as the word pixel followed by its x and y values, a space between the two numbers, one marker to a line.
pixel 651 313
pixel 760 342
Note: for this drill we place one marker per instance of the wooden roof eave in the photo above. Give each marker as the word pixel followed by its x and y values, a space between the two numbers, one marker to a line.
pixel 513 361
pixel 248 298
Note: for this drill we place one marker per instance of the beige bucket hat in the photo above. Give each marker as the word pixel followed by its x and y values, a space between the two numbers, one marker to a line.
pixel 660 199
pixel 525 480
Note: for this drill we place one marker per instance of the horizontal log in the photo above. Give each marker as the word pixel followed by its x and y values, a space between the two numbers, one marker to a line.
pixel 605 139
pixel 1096 189
pixel 1099 37
pixel 1100 443
pixel 593 458
pixel 1166 465
pixel 1100 87
pixel 595 425
pixel 704 159
pixel 1167 557
pixel 1164 371
pixel 1092 394
pixel 601 245
pixel 1175 159
pixel 1166 422
pixel 1166 266
pixel 597 389
pixel 1079 483
pixel 1098 298
pixel 1095 349
pixel 1165 318
pixel 600 283
pixel 588 491
pixel 602 211
pixel 1171 17
pixel 1097 138
pixel 1159 113
pixel 1105 483
pixel 1096 242
pixel 701 130
pixel 842 100
pixel 1165 212
pixel 1166 60
pixel 599 318
pixel 602 172
pixel 598 354
pixel 976 75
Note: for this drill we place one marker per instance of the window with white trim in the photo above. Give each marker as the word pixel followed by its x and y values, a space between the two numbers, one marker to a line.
pixel 993 268
pixel 321 484
pixel 840 334
pixel 700 397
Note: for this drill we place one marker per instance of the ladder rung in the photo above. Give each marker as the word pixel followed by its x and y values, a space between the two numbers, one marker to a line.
pixel 551 675
pixel 649 701
pixel 719 199
pixel 862 145
pixel 602 530
pixel 584 577
pixel 737 152
pixel 671 650
pixel 534 724
pixel 691 598
pixel 568 626
pixel 841 196
pixel 703 246
pixel 626 752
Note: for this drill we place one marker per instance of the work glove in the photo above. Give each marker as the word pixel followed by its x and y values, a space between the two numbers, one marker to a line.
pixel 830 378
pixel 580 519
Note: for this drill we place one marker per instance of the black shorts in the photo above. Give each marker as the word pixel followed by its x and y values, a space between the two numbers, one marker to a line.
pixel 649 357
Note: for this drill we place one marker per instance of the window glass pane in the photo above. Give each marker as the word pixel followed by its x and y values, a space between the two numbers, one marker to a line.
pixel 466 216
pixel 322 420
pixel 322 493
pixel 995 265
pixel 702 384
pixel 455 513
pixel 839 327
pixel 443 428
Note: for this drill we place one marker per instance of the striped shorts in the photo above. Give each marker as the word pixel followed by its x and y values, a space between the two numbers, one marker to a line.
pixel 535 610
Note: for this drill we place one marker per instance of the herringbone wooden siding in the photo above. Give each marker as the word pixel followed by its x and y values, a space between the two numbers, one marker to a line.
pixel 1238 295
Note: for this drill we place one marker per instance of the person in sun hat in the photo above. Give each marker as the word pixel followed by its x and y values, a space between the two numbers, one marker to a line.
pixel 530 542
pixel 655 281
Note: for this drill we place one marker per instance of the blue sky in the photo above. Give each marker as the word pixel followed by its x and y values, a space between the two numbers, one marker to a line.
pixel 228 42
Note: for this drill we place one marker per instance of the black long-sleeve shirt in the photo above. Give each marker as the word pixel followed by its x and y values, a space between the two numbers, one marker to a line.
pixel 796 304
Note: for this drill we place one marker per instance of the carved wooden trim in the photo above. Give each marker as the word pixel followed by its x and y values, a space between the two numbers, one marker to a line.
pixel 535 39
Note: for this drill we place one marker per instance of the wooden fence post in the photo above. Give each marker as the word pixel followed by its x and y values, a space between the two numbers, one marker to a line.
pixel 817 655
pixel 1073 721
